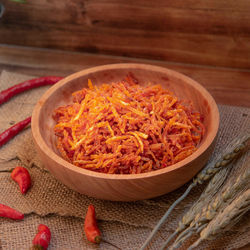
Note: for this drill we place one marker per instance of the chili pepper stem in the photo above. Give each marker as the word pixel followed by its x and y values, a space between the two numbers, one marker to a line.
pixel 98 239
pixel 7 171
pixel 91 230
pixel 11 159
pixel 107 242
pixel 36 247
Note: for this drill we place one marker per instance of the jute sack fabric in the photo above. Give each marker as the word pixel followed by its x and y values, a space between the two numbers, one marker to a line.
pixel 126 224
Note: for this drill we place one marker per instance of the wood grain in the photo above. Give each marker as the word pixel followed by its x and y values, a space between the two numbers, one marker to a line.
pixel 206 32
pixel 132 186
pixel 227 86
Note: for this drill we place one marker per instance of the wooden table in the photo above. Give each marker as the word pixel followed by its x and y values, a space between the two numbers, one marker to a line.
pixel 228 86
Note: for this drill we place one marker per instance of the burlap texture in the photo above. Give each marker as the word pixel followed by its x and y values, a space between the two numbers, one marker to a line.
pixel 127 224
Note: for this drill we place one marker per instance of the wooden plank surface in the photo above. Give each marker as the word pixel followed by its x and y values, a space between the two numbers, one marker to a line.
pixel 208 32
pixel 227 86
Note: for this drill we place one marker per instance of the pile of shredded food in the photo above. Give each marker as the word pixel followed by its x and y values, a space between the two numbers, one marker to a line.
pixel 126 128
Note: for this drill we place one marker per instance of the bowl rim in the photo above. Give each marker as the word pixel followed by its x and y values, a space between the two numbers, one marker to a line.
pixel 37 137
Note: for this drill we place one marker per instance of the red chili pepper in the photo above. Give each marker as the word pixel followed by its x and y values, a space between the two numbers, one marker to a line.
pixel 13 131
pixel 5 95
pixel 22 177
pixel 11 213
pixel 42 238
pixel 91 230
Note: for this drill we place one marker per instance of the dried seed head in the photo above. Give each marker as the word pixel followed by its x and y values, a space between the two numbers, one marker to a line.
pixel 210 215
pixel 237 149
pixel 233 155
pixel 204 209
pixel 238 180
pixel 215 204
pixel 206 177
pixel 200 176
pixel 192 223
pixel 226 195
pixel 200 181
pixel 242 146
pixel 185 220
pixel 195 180
pixel 203 220
pixel 212 171
pixel 237 188
pixel 197 217
pixel 224 163
pixel 227 157
pixel 210 207
pixel 180 227
pixel 217 165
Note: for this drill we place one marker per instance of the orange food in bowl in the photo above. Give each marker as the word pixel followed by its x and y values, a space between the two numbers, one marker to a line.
pixel 124 187
pixel 126 128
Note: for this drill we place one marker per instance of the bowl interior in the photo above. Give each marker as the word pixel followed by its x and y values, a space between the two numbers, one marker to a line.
pixel 182 86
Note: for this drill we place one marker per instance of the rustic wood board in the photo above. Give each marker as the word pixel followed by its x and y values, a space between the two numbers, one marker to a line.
pixel 207 32
pixel 227 86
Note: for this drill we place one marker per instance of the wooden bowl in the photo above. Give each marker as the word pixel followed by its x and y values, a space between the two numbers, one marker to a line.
pixel 123 187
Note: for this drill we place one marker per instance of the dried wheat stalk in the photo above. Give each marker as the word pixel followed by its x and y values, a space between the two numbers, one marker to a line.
pixel 233 150
pixel 225 219
pixel 210 209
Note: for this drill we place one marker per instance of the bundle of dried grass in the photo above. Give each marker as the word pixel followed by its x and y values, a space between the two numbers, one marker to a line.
pixel 230 154
pixel 225 187
pixel 205 211
pixel 226 218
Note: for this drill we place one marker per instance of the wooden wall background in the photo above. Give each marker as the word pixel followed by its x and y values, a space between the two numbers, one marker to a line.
pixel 205 32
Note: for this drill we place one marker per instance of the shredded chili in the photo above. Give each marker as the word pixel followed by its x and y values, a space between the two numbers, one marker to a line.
pixel 127 128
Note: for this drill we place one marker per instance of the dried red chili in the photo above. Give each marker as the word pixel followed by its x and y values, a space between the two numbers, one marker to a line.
pixel 91 230
pixel 22 177
pixel 13 131
pixel 5 95
pixel 11 213
pixel 42 238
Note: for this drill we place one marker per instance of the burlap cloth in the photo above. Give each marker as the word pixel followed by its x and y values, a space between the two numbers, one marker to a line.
pixel 126 224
